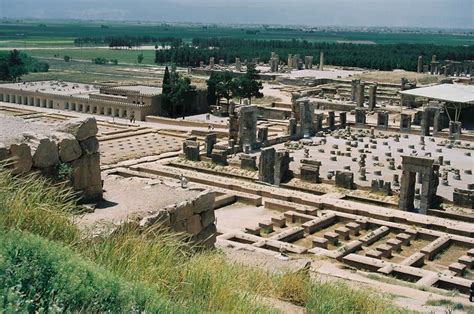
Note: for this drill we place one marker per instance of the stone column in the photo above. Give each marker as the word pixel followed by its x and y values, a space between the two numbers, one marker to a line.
pixel 306 119
pixel 331 119
pixel 262 135
pixel 405 122
pixel 210 140
pixel 248 126
pixel 342 119
pixel 266 165
pixel 360 117
pixel 360 95
pixel 318 122
pixel 382 120
pixel 282 166
pixel 211 63
pixel 419 68
pixel 321 61
pixel 425 123
pixel 354 84
pixel 372 97
pixel 407 190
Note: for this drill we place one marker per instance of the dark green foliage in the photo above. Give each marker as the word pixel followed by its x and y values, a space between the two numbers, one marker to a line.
pixel 382 57
pixel 226 85
pixel 100 60
pixel 67 58
pixel 14 64
pixel 249 86
pixel 140 58
pixel 212 88
pixel 40 276
pixel 177 93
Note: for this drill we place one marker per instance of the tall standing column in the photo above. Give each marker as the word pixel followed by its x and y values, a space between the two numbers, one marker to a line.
pixel 372 96
pixel 360 96
pixel 420 64
pixel 321 61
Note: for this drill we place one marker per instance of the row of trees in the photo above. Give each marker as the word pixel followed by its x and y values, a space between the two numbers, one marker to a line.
pixel 382 57
pixel 14 64
pixel 127 41
pixel 226 85
pixel 177 94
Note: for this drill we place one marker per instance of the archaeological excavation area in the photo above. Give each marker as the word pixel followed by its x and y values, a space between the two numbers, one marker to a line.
pixel 367 178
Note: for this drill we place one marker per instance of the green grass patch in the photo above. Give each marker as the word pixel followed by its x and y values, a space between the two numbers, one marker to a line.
pixel 47 265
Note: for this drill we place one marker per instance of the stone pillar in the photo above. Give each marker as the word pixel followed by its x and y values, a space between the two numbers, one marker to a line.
pixel 321 61
pixel 331 119
pixel 191 149
pixel 318 122
pixel 372 97
pixel 282 171
pixel 290 62
pixel 382 120
pixel 360 117
pixel 407 190
pixel 354 84
pixel 360 95
pixel 210 140
pixel 306 119
pixel 233 128
pixel 425 123
pixel 308 62
pixel 266 165
pixel 292 128
pixel 455 129
pixel 248 126
pixel 211 63
pixel 419 68
pixel 437 125
pixel 405 122
pixel 262 135
pixel 342 119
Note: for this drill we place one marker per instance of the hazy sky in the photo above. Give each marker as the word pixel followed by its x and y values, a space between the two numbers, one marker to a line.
pixel 403 13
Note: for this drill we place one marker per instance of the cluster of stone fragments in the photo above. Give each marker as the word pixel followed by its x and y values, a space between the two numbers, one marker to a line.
pixel 70 154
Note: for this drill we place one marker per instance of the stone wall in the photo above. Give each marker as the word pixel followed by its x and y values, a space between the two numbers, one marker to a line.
pixel 69 153
pixel 195 217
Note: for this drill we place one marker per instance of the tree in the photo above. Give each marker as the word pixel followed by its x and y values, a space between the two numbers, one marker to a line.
pixel 226 86
pixel 67 58
pixel 140 58
pixel 12 66
pixel 249 85
pixel 212 88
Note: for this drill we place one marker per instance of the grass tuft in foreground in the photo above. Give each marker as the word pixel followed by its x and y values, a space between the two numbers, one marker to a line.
pixel 45 264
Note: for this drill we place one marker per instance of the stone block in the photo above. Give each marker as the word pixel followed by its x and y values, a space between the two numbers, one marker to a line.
pixel 45 153
pixel 194 225
pixel 266 227
pixel 466 260
pixel 248 162
pixel 254 230
pixel 354 228
pixel 21 157
pixel 457 268
pixel 320 242
pixel 204 202
pixel 404 238
pixel 279 221
pixel 345 179
pixel 385 249
pixel 208 217
pixel 90 146
pixel 395 244
pixel 332 237
pixel 86 177
pixel 69 149
pixel 81 129
pixel 343 233
pixel 374 254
